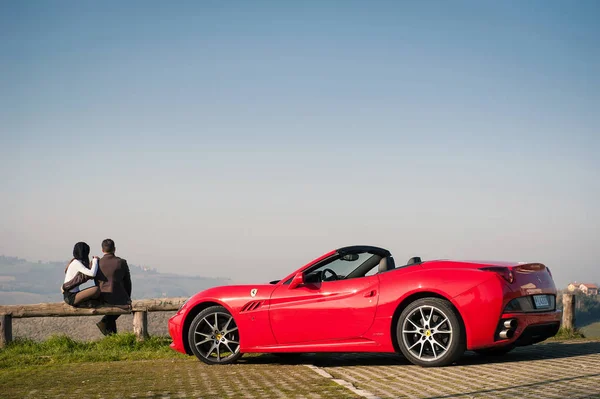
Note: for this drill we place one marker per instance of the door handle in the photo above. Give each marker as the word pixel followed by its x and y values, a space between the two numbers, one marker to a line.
pixel 370 294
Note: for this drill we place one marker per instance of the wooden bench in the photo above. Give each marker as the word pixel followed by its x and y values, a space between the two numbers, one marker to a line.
pixel 139 308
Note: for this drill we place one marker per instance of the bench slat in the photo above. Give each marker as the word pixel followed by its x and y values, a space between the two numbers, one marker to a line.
pixel 61 309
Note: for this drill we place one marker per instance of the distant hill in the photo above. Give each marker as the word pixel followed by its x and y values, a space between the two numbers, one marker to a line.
pixel 23 282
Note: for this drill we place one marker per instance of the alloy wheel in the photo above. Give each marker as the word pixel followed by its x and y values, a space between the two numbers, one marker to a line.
pixel 430 333
pixel 427 333
pixel 214 336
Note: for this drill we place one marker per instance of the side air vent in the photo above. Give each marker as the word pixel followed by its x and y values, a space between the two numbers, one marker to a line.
pixel 250 306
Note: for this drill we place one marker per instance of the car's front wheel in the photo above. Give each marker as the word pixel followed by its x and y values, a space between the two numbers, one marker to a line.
pixel 429 333
pixel 214 337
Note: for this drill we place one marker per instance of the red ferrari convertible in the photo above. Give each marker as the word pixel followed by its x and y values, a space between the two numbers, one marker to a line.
pixel 356 299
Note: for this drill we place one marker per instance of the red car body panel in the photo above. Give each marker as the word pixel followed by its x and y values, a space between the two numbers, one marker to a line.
pixel 357 314
pixel 339 310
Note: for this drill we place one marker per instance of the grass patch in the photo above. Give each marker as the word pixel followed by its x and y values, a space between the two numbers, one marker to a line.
pixel 591 330
pixel 62 349
pixel 567 333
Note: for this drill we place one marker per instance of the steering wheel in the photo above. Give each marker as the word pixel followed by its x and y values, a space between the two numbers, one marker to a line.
pixel 333 276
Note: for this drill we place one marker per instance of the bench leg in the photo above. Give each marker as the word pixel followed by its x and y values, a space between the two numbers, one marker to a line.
pixel 5 329
pixel 140 325
pixel 568 316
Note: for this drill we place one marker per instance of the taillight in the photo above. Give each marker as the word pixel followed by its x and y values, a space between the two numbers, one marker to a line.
pixel 504 272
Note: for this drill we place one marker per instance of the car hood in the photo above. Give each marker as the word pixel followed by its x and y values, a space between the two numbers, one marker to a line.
pixel 234 294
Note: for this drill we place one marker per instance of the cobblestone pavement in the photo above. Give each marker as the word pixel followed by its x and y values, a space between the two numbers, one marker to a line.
pixel 552 370
pixel 168 379
pixel 568 369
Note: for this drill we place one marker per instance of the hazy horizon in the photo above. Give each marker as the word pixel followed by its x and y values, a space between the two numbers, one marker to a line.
pixel 158 269
pixel 244 139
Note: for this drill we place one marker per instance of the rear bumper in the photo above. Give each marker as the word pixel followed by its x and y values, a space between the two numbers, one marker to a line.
pixel 537 333
pixel 533 327
pixel 175 331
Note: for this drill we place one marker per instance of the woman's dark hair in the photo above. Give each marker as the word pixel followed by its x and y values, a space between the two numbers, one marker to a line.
pixel 81 252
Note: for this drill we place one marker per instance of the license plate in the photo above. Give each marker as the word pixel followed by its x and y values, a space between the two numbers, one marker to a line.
pixel 541 301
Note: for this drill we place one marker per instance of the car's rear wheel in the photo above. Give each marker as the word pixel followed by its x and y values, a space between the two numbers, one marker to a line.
pixel 214 336
pixel 429 333
pixel 499 351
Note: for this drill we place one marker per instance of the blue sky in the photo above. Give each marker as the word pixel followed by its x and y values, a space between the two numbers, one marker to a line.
pixel 242 139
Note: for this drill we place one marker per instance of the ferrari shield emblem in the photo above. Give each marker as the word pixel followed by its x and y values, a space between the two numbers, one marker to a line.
pixel 253 292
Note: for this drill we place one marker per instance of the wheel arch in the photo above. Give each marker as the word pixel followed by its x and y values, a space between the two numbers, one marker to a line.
pixel 413 297
pixel 193 312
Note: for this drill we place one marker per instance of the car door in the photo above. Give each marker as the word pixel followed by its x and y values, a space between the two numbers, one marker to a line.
pixel 328 310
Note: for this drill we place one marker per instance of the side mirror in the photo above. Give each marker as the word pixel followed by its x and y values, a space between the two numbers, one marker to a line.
pixel 297 280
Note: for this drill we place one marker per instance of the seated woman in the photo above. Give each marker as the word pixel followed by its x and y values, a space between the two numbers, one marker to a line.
pixel 78 272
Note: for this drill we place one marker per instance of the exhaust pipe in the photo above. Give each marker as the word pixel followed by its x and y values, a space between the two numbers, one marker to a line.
pixel 510 324
pixel 506 334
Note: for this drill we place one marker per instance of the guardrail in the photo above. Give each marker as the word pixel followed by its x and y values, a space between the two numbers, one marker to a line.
pixel 139 308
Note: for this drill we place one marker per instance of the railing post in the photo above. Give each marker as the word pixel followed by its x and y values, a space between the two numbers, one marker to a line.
pixel 140 325
pixel 5 329
pixel 568 316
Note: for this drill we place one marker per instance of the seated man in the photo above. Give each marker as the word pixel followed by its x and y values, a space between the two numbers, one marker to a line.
pixel 114 280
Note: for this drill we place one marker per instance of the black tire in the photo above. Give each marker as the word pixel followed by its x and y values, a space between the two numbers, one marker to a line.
pixel 503 350
pixel 430 334
pixel 212 331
